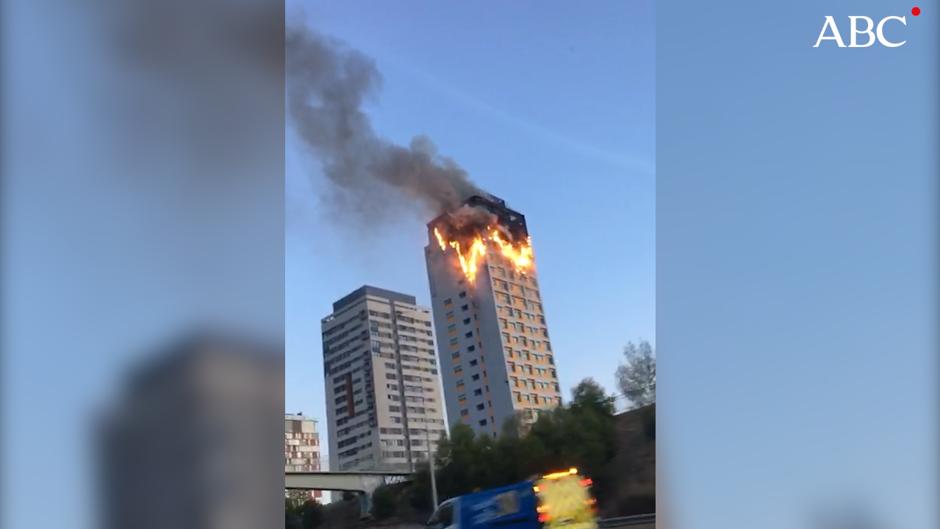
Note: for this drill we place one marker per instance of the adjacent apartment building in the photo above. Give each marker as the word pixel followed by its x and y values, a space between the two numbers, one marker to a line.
pixel 494 348
pixel 382 385
pixel 301 446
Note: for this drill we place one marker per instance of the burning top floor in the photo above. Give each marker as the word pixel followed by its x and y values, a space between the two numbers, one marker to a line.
pixel 481 223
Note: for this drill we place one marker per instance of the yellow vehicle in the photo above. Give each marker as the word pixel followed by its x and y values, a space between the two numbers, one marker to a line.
pixel 560 500
pixel 565 501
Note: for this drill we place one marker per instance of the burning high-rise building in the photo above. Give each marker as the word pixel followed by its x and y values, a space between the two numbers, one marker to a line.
pixel 495 354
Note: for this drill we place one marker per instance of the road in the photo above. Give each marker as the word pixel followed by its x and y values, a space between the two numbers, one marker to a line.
pixel 641 521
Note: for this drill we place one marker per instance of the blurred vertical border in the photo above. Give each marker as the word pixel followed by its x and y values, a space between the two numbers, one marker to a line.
pixel 142 263
pixel 797 268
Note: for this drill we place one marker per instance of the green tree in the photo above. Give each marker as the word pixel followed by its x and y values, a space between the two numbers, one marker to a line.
pixel 292 520
pixel 291 512
pixel 311 514
pixel 580 434
pixel 636 377
pixel 384 502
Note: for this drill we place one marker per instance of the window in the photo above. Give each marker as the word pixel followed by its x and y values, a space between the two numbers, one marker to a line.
pixel 483 422
pixel 465 308
pixel 473 363
pixel 463 294
pixel 475 377
pixel 466 321
pixel 480 406
pixel 464 413
pixel 478 391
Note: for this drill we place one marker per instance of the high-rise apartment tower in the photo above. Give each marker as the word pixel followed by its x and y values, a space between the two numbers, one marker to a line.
pixel 493 344
pixel 382 386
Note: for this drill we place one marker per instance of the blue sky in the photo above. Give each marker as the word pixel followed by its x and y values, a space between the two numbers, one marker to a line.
pixel 551 108
pixel 797 268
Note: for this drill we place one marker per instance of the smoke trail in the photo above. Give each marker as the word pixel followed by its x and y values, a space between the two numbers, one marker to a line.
pixel 327 84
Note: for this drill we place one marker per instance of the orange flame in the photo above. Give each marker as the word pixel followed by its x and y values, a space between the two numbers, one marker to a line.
pixel 519 255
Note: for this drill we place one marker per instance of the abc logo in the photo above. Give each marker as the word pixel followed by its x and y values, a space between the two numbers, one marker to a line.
pixel 863 32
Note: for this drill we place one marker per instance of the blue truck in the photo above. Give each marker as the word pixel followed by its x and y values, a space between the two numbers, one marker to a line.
pixel 560 500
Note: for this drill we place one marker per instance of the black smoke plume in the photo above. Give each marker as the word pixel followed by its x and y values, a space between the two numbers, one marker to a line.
pixel 327 84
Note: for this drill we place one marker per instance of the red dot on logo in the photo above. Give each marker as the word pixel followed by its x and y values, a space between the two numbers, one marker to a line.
pixel 915 11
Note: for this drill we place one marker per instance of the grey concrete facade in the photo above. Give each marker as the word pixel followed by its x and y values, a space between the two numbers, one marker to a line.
pixel 382 383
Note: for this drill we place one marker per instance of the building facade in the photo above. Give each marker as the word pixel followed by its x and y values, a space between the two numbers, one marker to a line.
pixel 495 354
pixel 301 446
pixel 382 384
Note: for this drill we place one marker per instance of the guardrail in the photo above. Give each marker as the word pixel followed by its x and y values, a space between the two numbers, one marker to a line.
pixel 626 521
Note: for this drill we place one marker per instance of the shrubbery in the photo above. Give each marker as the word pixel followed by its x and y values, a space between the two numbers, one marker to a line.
pixel 580 434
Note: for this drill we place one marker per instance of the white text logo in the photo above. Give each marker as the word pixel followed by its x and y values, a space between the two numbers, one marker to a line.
pixel 863 32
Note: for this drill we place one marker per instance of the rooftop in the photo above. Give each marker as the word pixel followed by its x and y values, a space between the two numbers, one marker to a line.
pixel 367 290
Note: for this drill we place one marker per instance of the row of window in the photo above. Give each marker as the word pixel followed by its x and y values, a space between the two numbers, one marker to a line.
pixel 341 326
pixel 511 274
pixel 536 399
pixel 526 342
pixel 521 327
pixel 408 398
pixel 528 356
pixel 408 328
pixel 529 369
pixel 356 330
pixel 513 288
pixel 336 364
pixel 345 420
pixel 353 451
pixel 518 301
pixel 458 371
pixel 464 414
pixel 512 312
pixel 534 384
pixel 411 409
pixel 413 378
pixel 329 349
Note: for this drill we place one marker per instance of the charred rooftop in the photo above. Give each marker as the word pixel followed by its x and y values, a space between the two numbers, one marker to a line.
pixel 482 222
pixel 479 211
